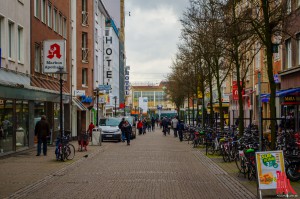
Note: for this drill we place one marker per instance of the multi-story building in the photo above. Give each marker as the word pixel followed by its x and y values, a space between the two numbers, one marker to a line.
pixel 50 21
pixel 16 95
pixel 289 94
pixel 156 97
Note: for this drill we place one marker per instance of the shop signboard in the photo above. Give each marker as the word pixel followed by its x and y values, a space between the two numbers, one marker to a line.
pixel 54 60
pixel 268 164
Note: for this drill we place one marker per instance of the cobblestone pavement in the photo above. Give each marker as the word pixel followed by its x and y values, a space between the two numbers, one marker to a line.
pixel 153 166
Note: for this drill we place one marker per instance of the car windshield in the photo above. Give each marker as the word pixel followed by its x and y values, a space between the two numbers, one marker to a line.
pixel 110 121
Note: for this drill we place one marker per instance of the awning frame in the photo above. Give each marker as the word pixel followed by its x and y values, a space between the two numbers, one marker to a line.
pixel 79 105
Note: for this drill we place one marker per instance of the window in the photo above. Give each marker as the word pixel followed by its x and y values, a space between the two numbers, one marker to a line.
pixel 37 58
pixel 36 8
pixel 20 45
pixel 60 24
pixel 1 32
pixel 84 12
pixel 289 6
pixel 288 49
pixel 43 11
pixel 84 47
pixel 298 48
pixel 65 28
pixel 84 77
pixel 10 39
pixel 49 13
pixel 55 20
pixel 257 56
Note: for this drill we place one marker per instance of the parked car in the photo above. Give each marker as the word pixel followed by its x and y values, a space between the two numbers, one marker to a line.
pixel 109 128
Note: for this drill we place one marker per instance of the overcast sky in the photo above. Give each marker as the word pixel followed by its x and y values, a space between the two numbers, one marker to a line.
pixel 151 36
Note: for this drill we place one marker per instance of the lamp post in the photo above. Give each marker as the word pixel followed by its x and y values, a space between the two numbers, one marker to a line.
pixel 97 101
pixel 115 97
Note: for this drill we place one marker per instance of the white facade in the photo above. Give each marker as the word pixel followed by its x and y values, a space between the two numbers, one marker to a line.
pixel 99 24
pixel 15 36
pixel 111 63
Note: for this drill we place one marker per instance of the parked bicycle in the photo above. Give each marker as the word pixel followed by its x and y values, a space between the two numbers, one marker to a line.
pixel 64 150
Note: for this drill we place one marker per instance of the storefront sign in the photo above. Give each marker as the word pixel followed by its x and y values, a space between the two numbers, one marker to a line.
pixel 79 92
pixel 268 164
pixel 104 87
pixel 235 94
pixel 290 99
pixel 86 99
pixel 54 56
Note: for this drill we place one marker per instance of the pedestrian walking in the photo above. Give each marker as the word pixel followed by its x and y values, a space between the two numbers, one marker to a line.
pixel 153 123
pixel 174 123
pixel 90 130
pixel 140 127
pixel 42 131
pixel 121 124
pixel 144 126
pixel 180 128
pixel 149 124
pixel 127 130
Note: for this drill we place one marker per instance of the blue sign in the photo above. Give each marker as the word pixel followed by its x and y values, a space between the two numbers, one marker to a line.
pixel 86 99
pixel 104 87
pixel 276 79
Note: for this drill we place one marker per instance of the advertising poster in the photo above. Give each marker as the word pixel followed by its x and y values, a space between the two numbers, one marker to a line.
pixel 268 163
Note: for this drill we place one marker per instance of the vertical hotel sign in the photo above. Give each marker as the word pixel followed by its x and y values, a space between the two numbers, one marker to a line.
pixel 127 85
pixel 54 56
pixel 108 58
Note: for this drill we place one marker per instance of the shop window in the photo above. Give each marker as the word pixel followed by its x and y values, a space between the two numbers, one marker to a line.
pixel 6 125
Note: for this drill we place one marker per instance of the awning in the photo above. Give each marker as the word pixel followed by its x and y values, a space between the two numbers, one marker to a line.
pixel 282 93
pixel 78 103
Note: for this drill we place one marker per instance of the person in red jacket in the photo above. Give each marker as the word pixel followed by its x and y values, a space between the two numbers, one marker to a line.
pixel 90 129
pixel 140 127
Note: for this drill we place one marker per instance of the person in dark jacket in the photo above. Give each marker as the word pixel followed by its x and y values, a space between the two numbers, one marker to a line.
pixel 122 129
pixel 127 129
pixel 42 131
pixel 180 128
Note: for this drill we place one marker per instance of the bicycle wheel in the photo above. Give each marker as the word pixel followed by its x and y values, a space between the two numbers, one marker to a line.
pixel 241 164
pixel 62 152
pixel 70 151
pixel 251 172
pixel 211 149
pixel 226 155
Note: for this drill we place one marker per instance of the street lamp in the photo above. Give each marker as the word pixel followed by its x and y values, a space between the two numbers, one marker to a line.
pixel 97 101
pixel 115 98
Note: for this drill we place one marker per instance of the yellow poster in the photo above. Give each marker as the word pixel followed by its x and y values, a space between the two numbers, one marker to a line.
pixel 268 163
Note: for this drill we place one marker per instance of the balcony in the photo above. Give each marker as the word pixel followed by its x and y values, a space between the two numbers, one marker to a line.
pixel 85 18
pixel 85 53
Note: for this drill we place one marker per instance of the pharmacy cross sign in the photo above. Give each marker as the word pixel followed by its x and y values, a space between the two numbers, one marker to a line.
pixel 54 56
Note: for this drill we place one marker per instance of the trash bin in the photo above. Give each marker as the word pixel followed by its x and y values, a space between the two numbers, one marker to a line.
pixel 96 136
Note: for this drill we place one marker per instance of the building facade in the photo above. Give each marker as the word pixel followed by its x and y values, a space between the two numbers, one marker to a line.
pixel 16 132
